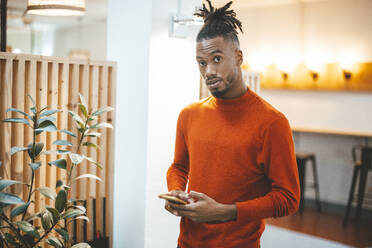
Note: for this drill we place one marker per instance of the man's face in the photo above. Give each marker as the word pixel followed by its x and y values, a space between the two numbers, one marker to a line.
pixel 219 62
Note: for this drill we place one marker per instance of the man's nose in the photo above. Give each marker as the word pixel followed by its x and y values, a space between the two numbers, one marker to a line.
pixel 210 72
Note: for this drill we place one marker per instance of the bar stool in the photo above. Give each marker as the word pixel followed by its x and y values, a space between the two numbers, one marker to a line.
pixel 362 165
pixel 302 159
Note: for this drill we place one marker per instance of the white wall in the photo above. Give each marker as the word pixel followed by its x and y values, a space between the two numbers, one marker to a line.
pixel 87 36
pixel 319 31
pixel 174 83
pixel 128 43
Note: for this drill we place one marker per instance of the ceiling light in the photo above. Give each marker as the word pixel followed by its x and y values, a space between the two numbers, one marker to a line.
pixel 56 7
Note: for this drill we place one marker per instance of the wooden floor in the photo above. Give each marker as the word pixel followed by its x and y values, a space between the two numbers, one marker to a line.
pixel 328 226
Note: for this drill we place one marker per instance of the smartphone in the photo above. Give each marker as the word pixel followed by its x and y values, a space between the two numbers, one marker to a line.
pixel 172 199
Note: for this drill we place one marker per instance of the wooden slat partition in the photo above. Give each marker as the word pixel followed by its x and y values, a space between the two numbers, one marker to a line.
pixel 56 82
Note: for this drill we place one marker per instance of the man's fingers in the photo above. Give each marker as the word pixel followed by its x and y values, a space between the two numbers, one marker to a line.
pixel 197 195
pixel 170 209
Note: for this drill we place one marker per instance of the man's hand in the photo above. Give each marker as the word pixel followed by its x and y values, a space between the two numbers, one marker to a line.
pixel 179 194
pixel 202 208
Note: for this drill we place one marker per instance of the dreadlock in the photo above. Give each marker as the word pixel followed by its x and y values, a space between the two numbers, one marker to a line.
pixel 218 22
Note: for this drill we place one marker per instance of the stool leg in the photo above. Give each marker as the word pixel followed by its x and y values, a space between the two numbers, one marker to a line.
pixel 301 174
pixel 351 194
pixel 316 184
pixel 366 162
pixel 361 189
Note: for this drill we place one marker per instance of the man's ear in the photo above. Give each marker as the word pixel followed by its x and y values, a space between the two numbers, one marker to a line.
pixel 239 57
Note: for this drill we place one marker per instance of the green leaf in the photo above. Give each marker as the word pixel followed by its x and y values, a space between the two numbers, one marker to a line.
pixel 17 120
pixel 92 134
pixel 15 149
pixel 94 162
pixel 19 111
pixel 101 125
pixel 81 245
pixel 5 183
pixel 59 183
pixel 46 220
pixel 82 101
pixel 34 110
pixel 34 234
pixel 82 217
pixel 76 117
pixel 54 213
pixel 63 233
pixel 46 126
pixel 10 239
pixel 61 200
pixel 71 213
pixel 35 166
pixel 92 118
pixel 62 143
pixel 49 118
pixel 50 112
pixel 25 226
pixel 82 208
pixel 88 176
pixel 83 110
pixel 67 132
pixel 9 198
pixel 47 192
pixel 90 144
pixel 60 163
pixel 38 148
pixel 53 241
pixel 19 210
pixel 1 163
pixel 76 158
pixel 32 100
pixel 54 152
pixel 102 110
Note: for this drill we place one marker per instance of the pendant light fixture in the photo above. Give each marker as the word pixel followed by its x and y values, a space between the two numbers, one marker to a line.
pixel 56 7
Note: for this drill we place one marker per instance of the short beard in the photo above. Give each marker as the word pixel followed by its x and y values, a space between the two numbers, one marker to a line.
pixel 219 94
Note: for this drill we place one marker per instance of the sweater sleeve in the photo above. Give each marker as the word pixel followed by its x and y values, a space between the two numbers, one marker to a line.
pixel 278 159
pixel 177 175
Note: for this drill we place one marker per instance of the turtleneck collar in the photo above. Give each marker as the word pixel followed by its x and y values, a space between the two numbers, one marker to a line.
pixel 235 104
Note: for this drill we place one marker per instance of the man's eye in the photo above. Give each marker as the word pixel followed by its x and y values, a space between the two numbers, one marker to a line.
pixel 217 59
pixel 202 63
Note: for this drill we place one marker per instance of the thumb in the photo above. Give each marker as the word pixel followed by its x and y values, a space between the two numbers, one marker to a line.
pixel 197 195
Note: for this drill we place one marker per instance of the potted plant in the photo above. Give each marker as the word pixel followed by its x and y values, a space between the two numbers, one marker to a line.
pixel 54 219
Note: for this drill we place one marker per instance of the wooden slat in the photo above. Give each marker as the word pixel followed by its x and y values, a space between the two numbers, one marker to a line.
pixel 73 106
pixel 101 155
pixel 6 99
pixel 110 152
pixel 52 99
pixel 41 102
pixel 80 194
pixel 90 185
pixel 30 89
pixel 17 128
pixel 63 92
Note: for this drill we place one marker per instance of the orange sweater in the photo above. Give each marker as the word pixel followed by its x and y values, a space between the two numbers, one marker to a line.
pixel 236 151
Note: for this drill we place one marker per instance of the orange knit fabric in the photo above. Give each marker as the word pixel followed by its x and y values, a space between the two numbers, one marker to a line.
pixel 237 151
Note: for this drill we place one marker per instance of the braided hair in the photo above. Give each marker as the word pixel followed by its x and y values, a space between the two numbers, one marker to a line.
pixel 219 22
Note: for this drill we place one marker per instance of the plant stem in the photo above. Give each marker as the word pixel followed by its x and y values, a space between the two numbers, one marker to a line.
pixel 3 239
pixel 45 233
pixel 33 161
pixel 14 230
pixel 77 149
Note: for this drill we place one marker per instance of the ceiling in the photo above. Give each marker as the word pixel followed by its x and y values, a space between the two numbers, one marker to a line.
pixel 95 10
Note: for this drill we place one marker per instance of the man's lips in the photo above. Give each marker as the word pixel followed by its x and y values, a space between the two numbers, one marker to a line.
pixel 214 83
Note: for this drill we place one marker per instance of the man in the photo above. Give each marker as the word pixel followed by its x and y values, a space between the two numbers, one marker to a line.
pixel 233 150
